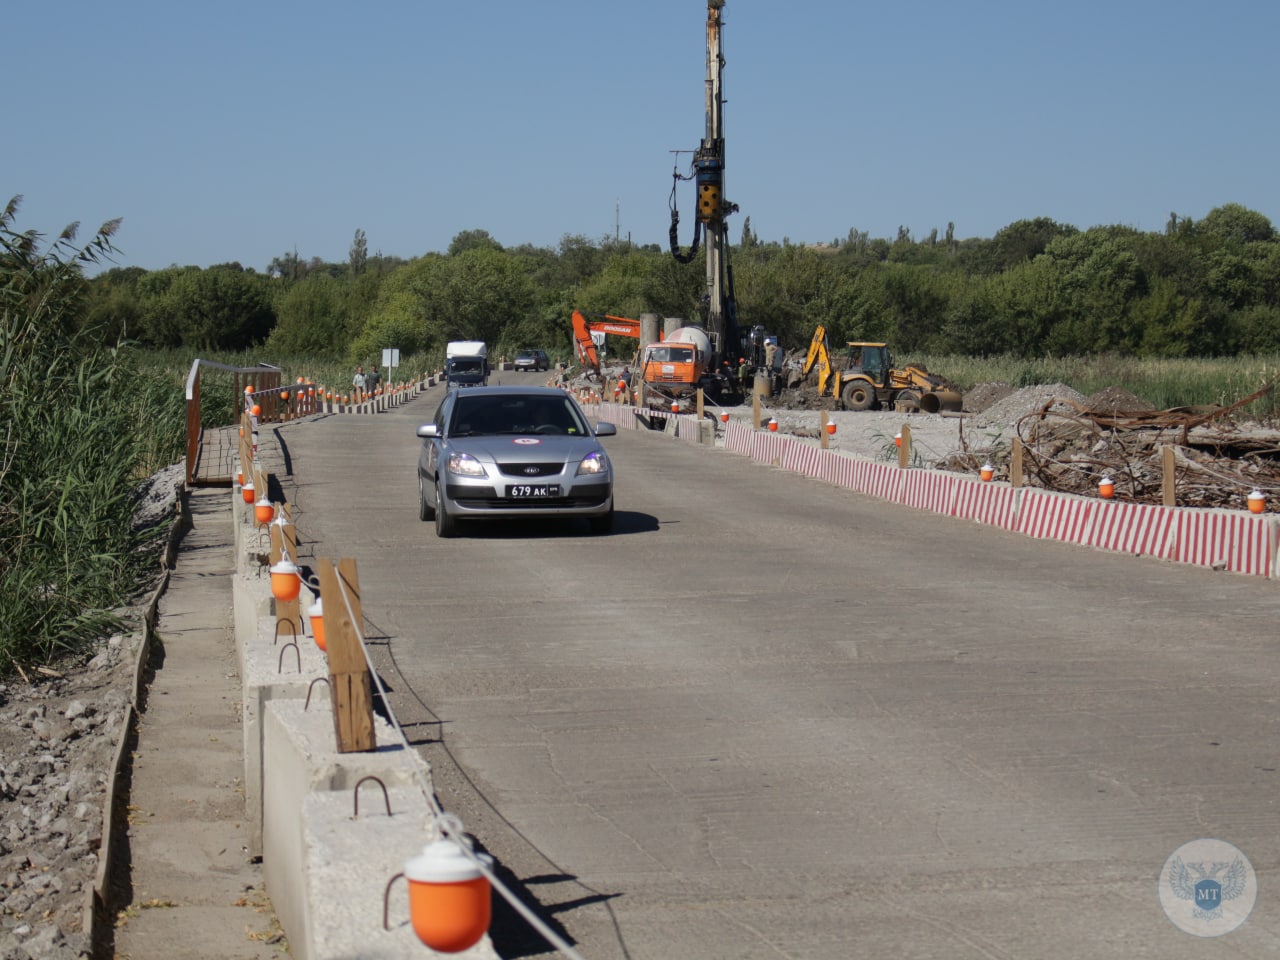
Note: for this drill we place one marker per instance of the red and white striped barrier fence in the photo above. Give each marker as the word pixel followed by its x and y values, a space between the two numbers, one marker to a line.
pixel 1239 542
pixel 993 504
pixel 766 447
pixel 737 437
pixel 878 479
pixel 688 427
pixel 800 457
pixel 931 490
pixel 1224 539
pixel 1055 516
pixel 835 468
pixel 1142 529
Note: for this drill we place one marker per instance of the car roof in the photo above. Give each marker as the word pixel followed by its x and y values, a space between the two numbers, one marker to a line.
pixel 515 392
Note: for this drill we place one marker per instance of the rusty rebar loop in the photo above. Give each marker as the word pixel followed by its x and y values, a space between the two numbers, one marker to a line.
pixel 307 702
pixel 386 799
pixel 292 627
pixel 386 901
pixel 280 661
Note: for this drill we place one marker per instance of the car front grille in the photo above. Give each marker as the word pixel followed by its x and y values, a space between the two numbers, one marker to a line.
pixel 529 470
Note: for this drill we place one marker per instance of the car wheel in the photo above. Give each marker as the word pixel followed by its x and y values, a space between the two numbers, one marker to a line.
pixel 446 526
pixel 602 524
pixel 424 509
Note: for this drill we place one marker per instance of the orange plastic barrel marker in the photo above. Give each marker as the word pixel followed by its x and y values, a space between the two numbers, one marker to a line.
pixel 449 897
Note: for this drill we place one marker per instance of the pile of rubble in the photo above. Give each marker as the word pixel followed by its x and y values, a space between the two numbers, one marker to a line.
pixel 58 743
pixel 1071 441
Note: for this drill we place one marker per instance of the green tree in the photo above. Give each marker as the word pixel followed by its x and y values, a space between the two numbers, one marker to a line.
pixel 472 240
pixel 1016 244
pixel 112 307
pixel 472 295
pixel 358 255
pixel 288 265
pixel 1098 278
pixel 1236 225
pixel 312 318
pixel 214 309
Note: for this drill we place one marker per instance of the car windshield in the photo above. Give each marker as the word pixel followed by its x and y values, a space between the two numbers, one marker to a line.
pixel 480 415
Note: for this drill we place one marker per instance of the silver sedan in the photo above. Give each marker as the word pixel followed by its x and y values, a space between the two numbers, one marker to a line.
pixel 501 453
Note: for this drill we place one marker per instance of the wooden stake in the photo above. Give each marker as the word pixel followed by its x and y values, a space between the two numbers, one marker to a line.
pixel 755 410
pixel 824 440
pixel 1015 464
pixel 1169 492
pixel 349 683
pixel 904 451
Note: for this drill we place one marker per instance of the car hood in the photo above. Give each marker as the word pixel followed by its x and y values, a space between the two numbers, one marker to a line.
pixel 524 449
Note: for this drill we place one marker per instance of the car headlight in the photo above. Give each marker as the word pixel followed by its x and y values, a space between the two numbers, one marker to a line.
pixel 464 465
pixel 592 464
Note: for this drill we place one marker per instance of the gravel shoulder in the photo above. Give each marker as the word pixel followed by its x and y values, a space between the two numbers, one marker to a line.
pixel 184 885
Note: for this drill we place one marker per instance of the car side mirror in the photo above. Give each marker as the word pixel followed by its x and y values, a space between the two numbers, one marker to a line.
pixel 605 429
pixel 427 431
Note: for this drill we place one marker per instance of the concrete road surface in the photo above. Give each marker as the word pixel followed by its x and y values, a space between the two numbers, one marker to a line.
pixel 769 718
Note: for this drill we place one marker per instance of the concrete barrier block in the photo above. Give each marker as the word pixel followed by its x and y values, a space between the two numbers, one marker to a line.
pixel 349 864
pixel 272 669
pixel 300 763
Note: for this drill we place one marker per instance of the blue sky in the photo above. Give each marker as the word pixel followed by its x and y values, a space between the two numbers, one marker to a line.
pixel 243 130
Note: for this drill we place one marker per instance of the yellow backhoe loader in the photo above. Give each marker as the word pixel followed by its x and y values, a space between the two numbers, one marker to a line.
pixel 869 380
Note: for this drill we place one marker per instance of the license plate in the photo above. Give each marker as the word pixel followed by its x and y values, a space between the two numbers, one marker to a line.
pixel 532 491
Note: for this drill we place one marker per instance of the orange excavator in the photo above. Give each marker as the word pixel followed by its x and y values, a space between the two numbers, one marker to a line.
pixel 583 328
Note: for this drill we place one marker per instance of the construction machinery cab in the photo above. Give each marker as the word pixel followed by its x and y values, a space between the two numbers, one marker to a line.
pixel 871 359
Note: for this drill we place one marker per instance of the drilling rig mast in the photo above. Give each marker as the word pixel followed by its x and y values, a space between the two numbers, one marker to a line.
pixel 712 207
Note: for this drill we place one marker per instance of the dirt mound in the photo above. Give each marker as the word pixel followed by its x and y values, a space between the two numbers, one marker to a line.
pixel 983 395
pixel 1028 400
pixel 1117 400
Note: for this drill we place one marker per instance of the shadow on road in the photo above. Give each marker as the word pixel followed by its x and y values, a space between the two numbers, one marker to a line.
pixel 512 935
pixel 625 523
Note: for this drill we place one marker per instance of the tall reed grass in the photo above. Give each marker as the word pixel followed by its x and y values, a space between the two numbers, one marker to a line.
pixel 1164 383
pixel 81 424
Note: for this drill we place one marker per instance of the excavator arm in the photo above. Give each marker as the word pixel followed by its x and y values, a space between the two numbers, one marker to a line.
pixel 819 355
pixel 602 323
pixel 586 346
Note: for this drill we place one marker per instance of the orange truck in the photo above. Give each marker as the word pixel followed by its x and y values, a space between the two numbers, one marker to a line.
pixel 672 369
